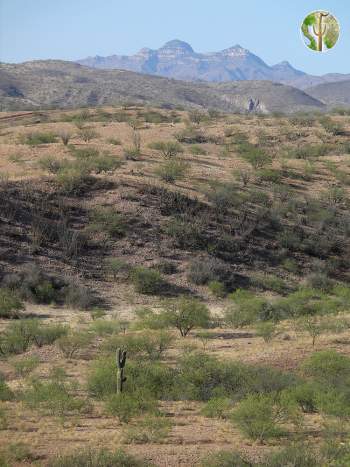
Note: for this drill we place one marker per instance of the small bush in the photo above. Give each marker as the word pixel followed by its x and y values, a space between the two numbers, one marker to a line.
pixel 78 296
pixel 116 266
pixel 65 136
pixel 71 343
pixel 328 367
pixel 50 164
pixel 218 407
pixel 205 270
pixel 225 459
pixel 87 134
pixel 151 429
pixel 294 455
pixel 127 406
pixel 266 330
pixel 197 150
pixel 260 416
pixel 20 335
pixel 98 458
pixel 36 138
pixel 103 327
pixel 107 219
pixel 25 366
pixel 172 170
pixel 114 141
pixel 168 149
pixel 147 281
pixel 186 314
pixel 246 309
pixel 5 392
pixel 54 397
pixel 255 156
pixel 10 304
pixel 217 288
pixel 191 135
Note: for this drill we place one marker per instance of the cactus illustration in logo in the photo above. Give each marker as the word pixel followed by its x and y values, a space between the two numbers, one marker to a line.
pixel 320 31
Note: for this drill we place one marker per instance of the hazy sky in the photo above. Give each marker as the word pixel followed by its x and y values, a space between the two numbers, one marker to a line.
pixel 73 29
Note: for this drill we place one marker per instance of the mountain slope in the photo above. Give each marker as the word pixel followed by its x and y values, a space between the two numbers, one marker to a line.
pixel 332 93
pixel 55 83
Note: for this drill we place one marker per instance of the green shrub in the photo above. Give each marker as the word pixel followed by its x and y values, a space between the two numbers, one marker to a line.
pixel 151 429
pixel 97 313
pixel 260 416
pixel 155 379
pixel 71 343
pixel 328 367
pixel 103 327
pixel 98 458
pixel 269 282
pixel 217 288
pixel 108 220
pixel 127 406
pixel 225 459
pixel 217 407
pixel 295 455
pixel 10 304
pixel 173 170
pixel 305 395
pixel 5 392
pixel 255 156
pixel 246 309
pixel 3 426
pixel 50 164
pixel 54 397
pixel 150 344
pixel 147 281
pixel 197 150
pixel 25 366
pixel 185 314
pixel 186 233
pixel 73 179
pixel 87 134
pixel 20 335
pixel 116 266
pixel 148 319
pixel 36 138
pixel 19 452
pixel 266 330
pixel 169 149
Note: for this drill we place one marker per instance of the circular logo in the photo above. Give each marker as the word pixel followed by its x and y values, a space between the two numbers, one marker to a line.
pixel 320 31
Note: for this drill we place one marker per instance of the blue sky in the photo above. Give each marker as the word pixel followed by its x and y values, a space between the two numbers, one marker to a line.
pixel 72 29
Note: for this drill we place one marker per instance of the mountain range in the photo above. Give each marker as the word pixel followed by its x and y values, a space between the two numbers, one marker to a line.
pixel 177 59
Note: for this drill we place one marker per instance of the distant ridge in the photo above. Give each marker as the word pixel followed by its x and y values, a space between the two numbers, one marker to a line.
pixel 177 59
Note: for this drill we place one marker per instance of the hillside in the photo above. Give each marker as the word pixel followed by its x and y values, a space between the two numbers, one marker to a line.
pixel 332 94
pixel 213 248
pixel 65 84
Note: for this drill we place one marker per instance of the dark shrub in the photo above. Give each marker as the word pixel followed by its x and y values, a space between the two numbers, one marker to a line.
pixel 204 270
pixel 10 304
pixel 147 281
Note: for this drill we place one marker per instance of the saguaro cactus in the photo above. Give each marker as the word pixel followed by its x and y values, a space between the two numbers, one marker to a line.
pixel 320 31
pixel 120 358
